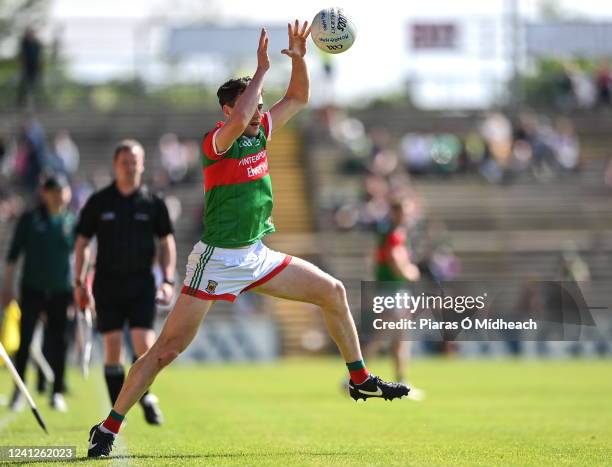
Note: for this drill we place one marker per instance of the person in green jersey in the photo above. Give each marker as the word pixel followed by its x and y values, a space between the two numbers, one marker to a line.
pixel 393 263
pixel 230 258
pixel 44 237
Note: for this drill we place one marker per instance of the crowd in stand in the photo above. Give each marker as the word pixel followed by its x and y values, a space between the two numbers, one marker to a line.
pixel 386 179
pixel 497 148
pixel 29 154
pixel 178 161
pixel 531 144
pixel 25 157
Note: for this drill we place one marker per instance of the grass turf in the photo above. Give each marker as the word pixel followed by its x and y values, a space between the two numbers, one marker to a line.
pixel 478 412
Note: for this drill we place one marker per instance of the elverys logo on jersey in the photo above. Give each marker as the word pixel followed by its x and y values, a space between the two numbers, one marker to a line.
pixel 231 171
pixel 256 165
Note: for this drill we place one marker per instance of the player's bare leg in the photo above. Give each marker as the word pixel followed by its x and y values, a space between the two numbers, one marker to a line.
pixel 399 349
pixel 400 352
pixel 142 340
pixel 304 282
pixel 180 328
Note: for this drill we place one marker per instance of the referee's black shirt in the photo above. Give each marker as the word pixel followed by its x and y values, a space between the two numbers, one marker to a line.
pixel 125 227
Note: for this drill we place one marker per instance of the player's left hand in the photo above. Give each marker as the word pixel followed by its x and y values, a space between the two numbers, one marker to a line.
pixel 164 294
pixel 297 39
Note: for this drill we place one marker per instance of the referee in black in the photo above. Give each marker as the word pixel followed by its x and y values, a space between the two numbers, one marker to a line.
pixel 126 218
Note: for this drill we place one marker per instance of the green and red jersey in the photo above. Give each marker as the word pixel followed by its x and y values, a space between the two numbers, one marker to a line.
pixel 237 189
pixel 388 239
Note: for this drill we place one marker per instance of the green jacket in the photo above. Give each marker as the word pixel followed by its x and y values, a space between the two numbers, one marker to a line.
pixel 46 242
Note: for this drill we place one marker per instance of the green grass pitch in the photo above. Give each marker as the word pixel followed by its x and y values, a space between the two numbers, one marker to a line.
pixel 478 412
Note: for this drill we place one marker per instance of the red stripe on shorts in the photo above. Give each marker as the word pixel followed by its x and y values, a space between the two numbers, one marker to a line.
pixel 228 297
pixel 270 275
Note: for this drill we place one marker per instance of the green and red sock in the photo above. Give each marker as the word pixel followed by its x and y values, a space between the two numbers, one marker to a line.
pixel 113 422
pixel 358 371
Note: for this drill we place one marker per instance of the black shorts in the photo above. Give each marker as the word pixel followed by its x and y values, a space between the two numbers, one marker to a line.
pixel 124 300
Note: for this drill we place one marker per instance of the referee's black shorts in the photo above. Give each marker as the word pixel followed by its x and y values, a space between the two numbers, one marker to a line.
pixel 124 300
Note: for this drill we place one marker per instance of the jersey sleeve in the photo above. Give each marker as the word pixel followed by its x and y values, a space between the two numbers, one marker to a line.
pixel 87 225
pixel 209 144
pixel 396 239
pixel 19 238
pixel 266 122
pixel 163 224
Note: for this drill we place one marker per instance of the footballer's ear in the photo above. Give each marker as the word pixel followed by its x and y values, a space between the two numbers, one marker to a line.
pixel 227 110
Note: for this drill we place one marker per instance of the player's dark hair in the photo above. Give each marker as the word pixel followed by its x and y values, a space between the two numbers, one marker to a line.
pixel 127 145
pixel 231 89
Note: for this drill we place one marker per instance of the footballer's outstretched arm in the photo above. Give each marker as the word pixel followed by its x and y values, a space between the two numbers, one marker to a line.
pixel 402 264
pixel 246 104
pixel 298 90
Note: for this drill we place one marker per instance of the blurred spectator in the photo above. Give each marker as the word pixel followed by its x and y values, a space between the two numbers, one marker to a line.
pixel 416 152
pixel 384 162
pixel 475 150
pixel 4 142
pixel 566 145
pixel 175 207
pixel 346 217
pixel 537 144
pixel 566 99
pixel 445 153
pixel 66 153
pixel 544 158
pixel 177 159
pixel 350 132
pixel 31 63
pixel 608 174
pixel 496 130
pixel 573 267
pixel 11 204
pixel 432 243
pixel 585 93
pixel 374 211
pixel 32 155
pixel 603 84
pixel 81 190
pixel 380 139
pixel 376 186
pixel 171 157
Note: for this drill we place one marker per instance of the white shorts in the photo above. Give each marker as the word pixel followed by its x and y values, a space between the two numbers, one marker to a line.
pixel 215 273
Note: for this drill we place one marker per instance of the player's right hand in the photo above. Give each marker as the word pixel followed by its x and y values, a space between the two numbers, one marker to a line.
pixel 82 297
pixel 263 61
pixel 7 296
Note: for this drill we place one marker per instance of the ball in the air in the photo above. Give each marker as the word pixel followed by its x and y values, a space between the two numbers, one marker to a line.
pixel 332 31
